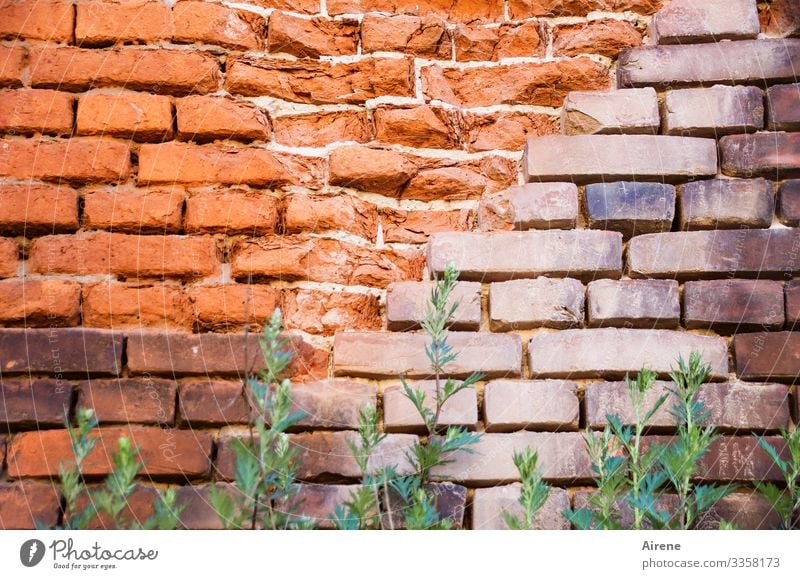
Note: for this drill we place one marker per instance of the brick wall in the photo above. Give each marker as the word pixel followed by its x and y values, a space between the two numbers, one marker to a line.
pixel 169 174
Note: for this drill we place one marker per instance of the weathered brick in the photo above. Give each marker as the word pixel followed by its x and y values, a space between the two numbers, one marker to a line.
pixel 462 11
pixel 531 8
pixel 728 305
pixel 634 303
pixel 300 6
pixel 740 459
pixel 323 312
pixel 591 158
pixel 136 400
pixel 789 195
pixel 377 354
pixel 111 305
pixel 231 306
pixel 407 301
pixel 736 62
pixel 505 130
pixel 9 257
pixel 231 212
pixel 139 507
pixel 40 303
pixel 332 404
pixel 316 213
pixel 165 453
pixel 324 128
pixel 465 180
pixel 607 37
pixel 489 504
pixel 401 226
pixel 690 22
pixel 629 111
pixel 506 255
pixel 563 458
pixel 134 210
pixel 523 304
pixel 400 415
pixel 106 23
pixel 50 20
pixel 713 112
pixel 509 405
pixel 312 38
pixel 783 113
pixel 128 115
pixel 207 23
pixel 449 500
pixel 424 126
pixel 170 163
pixel 31 111
pixel 60 352
pixel 37 403
pixel 127 256
pixel 316 502
pixel 291 258
pixel 767 356
pixel 474 42
pixel 771 155
pixel 732 406
pixel 425 37
pixel 212 403
pixel 726 204
pixel 710 254
pixel 615 352
pixel 202 118
pixel 30 209
pixel 530 206
pixel 163 71
pixel 792 291
pixel 75 160
pixel 543 84
pixel 631 208
pixel 780 18
pixel 320 82
pixel 29 505
pixel 12 64
pixel 199 513
pixel 746 510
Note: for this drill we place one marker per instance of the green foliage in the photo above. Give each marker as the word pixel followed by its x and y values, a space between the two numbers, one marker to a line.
pixel 534 492
pixel 785 501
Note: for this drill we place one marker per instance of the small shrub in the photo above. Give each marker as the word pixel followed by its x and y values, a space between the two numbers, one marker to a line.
pixel 534 492
pixel 786 501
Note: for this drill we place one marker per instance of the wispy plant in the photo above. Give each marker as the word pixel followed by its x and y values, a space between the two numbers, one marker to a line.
pixel 533 494
pixel 785 501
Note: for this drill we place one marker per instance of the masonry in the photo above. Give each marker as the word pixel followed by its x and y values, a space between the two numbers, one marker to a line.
pixel 616 180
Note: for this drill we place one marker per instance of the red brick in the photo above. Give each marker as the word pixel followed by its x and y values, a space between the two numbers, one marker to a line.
pixel 136 21
pixel 9 257
pixel 771 155
pixel 136 116
pixel 715 111
pixel 406 304
pixel 324 128
pixel 30 209
pixel 60 352
pixel 729 306
pixel 212 403
pixel 710 254
pixel 292 258
pixel 250 212
pixel 740 459
pixel 331 404
pixel 320 82
pixel 425 37
pixel 202 118
pixel 461 11
pixel 509 40
pixel 139 507
pixel 789 195
pixel 465 180
pixel 427 127
pixel 634 303
pixel 563 458
pixel 76 160
pixel 607 37
pixel 488 506
pixel 207 23
pixel 746 510
pixel 543 84
pixel 524 304
pixel 231 306
pixel 782 109
pixel 613 352
pixel 31 111
pixel 29 505
pixel 134 210
pixel 165 453
pixel 301 6
pixel 199 164
pixel 726 204
pixel 767 356
pixel 136 400
pixel 112 305
pixel 127 256
pixel 40 303
pixel 505 130
pixel 792 290
pixel 323 312
pixel 689 22
pixel 632 208
pixel 509 405
pixel 317 213
pixel 628 111
pixel 384 354
pixel 506 255
pixel 602 158
pixel 530 8
pixel 199 513
pixel 12 64
pixel 400 415
pixel 317 502
pixel 400 226
pixel 162 71
pixel 34 403
pixel 373 170
pixel 50 20
pixel 313 38
pixel 780 18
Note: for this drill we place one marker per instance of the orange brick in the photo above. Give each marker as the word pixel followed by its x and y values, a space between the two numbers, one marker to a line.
pixel 42 302
pixel 50 20
pixel 315 213
pixel 9 256
pixel 128 115
pixel 12 63
pixel 102 23
pixel 32 209
pixel 203 118
pixel 319 312
pixel 35 111
pixel 142 400
pixel 207 23
pixel 319 129
pixel 231 306
pixel 134 211
pixel 250 212
pixel 313 38
pixel 113 305
pixel 26 506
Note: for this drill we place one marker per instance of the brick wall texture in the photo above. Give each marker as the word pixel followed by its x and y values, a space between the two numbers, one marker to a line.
pixel 614 179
